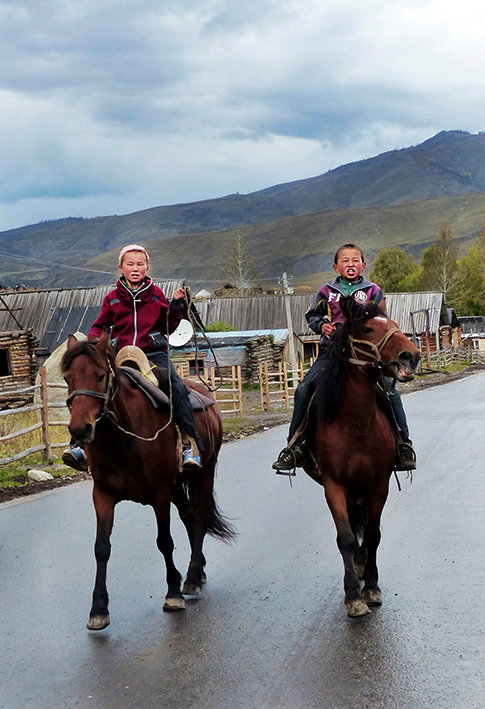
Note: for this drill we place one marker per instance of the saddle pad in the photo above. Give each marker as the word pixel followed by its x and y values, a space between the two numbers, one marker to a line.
pixel 158 398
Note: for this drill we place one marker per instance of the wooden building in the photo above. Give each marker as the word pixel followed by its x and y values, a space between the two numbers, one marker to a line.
pixel 17 361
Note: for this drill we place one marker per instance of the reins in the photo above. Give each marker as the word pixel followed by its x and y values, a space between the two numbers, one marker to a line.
pixel 375 350
pixel 110 393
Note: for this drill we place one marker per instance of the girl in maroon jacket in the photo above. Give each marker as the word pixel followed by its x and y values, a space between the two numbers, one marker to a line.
pixel 138 313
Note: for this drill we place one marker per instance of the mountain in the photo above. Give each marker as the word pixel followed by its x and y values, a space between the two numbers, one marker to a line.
pixel 400 197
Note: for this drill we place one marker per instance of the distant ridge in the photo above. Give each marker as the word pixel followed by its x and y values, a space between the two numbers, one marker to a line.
pixel 400 197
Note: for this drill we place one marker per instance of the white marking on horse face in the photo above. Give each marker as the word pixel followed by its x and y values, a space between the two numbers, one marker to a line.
pixel 381 318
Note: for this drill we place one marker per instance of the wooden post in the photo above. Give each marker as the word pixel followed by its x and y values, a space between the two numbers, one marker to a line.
pixel 261 385
pixel 285 381
pixel 239 388
pixel 45 415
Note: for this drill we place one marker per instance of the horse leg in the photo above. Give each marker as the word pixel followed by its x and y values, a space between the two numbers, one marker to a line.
pixel 347 544
pixel 174 601
pixel 186 512
pixel 372 537
pixel 104 505
pixel 195 573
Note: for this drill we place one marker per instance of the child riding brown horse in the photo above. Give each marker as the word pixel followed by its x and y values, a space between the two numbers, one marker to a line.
pixel 131 448
pixel 353 444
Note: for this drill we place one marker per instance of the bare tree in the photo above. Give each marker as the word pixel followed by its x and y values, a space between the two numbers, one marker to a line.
pixel 240 272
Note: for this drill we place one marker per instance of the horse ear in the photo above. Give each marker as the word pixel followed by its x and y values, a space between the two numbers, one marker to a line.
pixel 71 342
pixel 103 341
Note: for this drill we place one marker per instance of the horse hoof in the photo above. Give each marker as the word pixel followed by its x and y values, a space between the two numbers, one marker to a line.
pixel 357 608
pixel 174 604
pixel 98 622
pixel 192 589
pixel 372 597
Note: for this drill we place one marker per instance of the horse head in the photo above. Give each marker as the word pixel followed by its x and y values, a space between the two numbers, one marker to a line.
pixel 87 367
pixel 376 342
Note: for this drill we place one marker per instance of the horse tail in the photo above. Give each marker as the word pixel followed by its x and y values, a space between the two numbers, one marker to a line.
pixel 357 513
pixel 217 524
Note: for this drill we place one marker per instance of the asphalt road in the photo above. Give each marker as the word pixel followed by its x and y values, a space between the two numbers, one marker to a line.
pixel 271 628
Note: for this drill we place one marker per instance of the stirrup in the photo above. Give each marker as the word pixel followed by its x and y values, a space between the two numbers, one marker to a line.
pixel 405 456
pixel 288 460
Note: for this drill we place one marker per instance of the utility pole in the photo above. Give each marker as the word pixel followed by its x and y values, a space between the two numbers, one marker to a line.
pixel 286 290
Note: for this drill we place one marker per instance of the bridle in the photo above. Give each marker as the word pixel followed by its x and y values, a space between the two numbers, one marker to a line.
pixel 375 350
pixel 105 396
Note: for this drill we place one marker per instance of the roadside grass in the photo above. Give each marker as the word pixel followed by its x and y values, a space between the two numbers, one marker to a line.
pixel 15 474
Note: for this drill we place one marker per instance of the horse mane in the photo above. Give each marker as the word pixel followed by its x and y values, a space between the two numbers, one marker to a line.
pixel 330 383
pixel 88 348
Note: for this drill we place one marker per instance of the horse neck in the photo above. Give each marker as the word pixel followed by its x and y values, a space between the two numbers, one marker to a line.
pixel 358 395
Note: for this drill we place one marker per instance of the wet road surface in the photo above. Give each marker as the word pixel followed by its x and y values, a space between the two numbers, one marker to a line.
pixel 271 629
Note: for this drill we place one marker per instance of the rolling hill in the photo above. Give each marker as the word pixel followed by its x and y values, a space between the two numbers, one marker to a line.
pixel 398 198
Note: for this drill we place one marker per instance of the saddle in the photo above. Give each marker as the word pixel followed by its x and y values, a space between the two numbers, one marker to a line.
pixel 141 373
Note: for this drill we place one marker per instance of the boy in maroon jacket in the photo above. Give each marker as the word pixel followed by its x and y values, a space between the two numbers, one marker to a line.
pixel 138 313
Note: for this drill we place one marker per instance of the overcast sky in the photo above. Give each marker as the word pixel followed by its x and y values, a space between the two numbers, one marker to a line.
pixel 112 106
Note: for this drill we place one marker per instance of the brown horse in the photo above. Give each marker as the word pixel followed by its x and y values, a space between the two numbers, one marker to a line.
pixel 131 449
pixel 354 443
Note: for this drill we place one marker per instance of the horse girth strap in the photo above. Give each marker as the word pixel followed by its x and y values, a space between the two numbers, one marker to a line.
pixel 375 349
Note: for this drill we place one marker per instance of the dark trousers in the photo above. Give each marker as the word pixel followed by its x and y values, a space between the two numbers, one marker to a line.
pixel 172 384
pixel 306 387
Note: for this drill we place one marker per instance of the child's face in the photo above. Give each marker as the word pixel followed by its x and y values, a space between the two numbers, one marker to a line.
pixel 349 265
pixel 134 267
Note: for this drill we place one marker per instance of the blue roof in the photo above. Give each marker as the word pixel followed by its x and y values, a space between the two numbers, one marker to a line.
pixel 240 337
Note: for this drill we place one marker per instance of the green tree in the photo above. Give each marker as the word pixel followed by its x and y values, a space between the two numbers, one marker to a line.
pixel 470 297
pixel 395 271
pixel 440 265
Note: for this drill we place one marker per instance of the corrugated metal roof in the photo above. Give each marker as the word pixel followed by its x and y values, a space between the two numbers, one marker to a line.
pixel 234 338
pixel 50 312
pixel 35 309
pixel 404 308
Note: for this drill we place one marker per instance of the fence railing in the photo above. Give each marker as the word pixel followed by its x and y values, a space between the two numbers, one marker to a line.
pixel 228 396
pixel 228 392
pixel 448 357
pixel 278 386
pixel 43 407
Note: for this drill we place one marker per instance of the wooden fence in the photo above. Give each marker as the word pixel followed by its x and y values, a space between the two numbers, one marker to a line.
pixel 228 396
pixel 448 357
pixel 43 425
pixel 228 392
pixel 278 386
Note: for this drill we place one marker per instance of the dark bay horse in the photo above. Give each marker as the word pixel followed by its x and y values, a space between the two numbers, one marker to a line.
pixel 354 443
pixel 131 449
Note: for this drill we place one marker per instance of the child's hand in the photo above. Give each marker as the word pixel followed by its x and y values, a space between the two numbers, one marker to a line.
pixel 179 294
pixel 327 329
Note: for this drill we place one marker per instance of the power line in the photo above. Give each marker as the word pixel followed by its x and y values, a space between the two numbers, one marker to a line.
pixel 49 263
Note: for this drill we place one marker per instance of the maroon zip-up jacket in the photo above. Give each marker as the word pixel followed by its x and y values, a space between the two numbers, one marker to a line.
pixel 133 315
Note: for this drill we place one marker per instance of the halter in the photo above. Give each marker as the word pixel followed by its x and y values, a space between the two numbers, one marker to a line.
pixel 104 396
pixel 105 411
pixel 376 350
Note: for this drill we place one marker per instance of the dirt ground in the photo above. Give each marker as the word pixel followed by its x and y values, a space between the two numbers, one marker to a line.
pixel 254 421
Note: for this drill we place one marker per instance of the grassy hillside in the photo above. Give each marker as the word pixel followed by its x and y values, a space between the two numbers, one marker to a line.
pixel 304 245
pixel 401 197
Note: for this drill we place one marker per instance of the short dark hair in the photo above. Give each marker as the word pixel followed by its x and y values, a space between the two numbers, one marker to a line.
pixel 347 246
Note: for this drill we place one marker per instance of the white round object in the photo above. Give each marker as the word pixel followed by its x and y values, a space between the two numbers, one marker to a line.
pixel 181 335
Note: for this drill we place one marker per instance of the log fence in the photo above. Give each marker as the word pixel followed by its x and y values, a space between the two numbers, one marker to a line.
pixel 228 397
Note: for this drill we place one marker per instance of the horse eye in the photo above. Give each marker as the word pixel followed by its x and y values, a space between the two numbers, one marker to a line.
pixel 101 377
pixel 367 330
